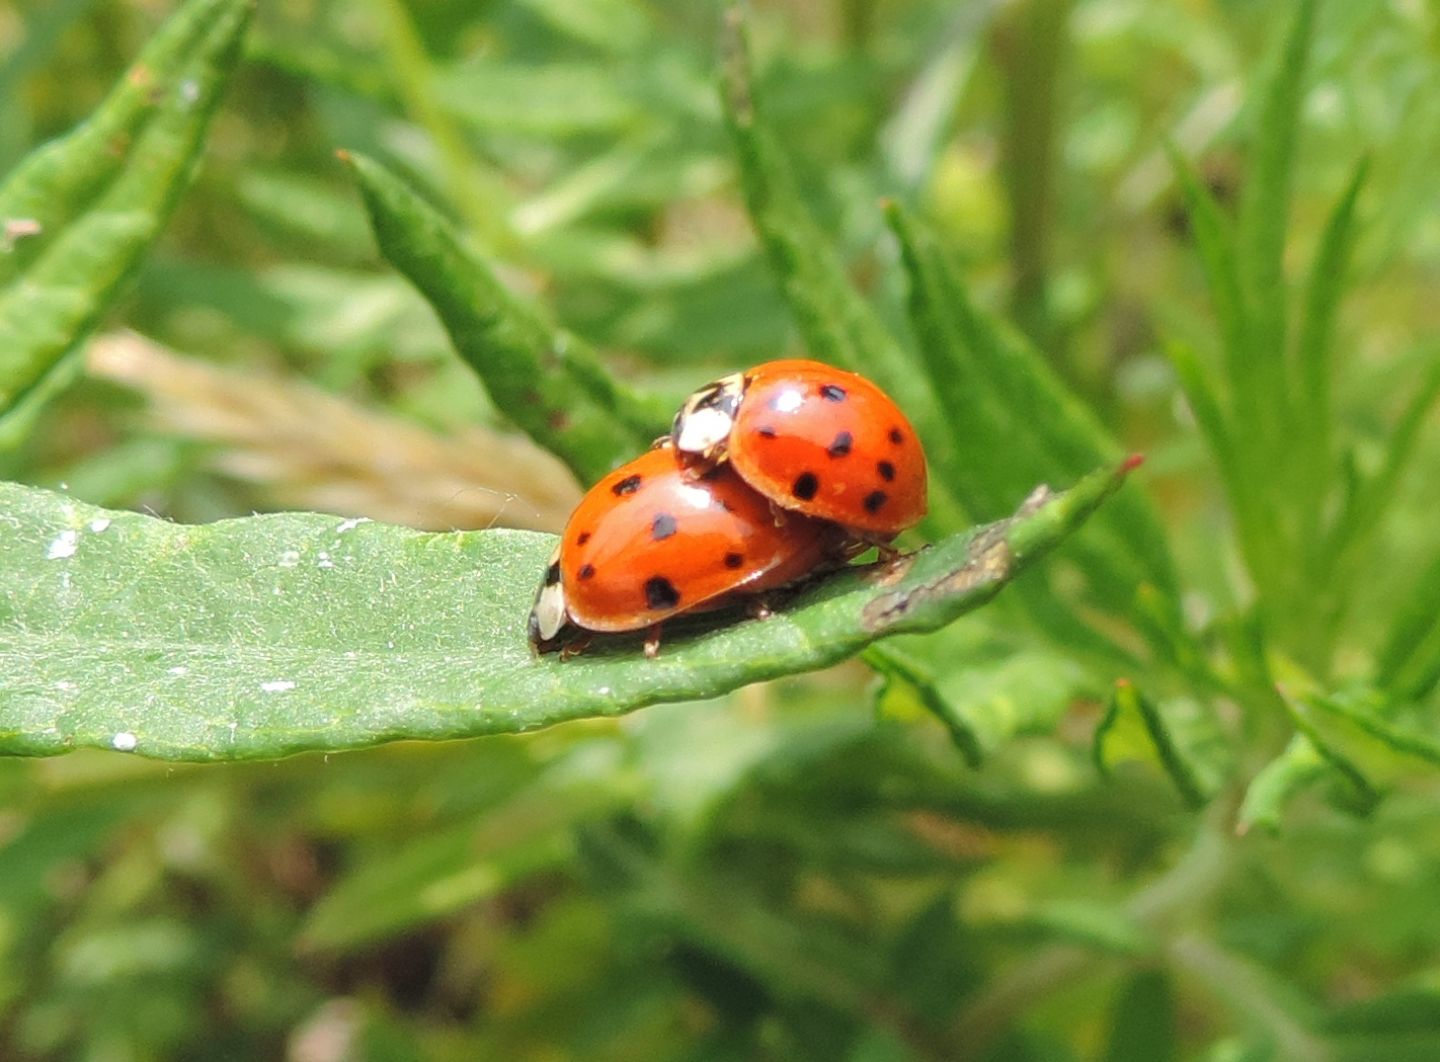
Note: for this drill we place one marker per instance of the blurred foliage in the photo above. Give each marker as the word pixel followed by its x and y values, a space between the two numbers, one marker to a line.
pixel 1205 229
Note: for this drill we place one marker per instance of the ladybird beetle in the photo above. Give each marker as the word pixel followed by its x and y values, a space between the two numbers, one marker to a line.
pixel 652 540
pixel 813 439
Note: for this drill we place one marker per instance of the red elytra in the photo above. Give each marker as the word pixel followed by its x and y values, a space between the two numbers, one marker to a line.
pixel 813 439
pixel 651 540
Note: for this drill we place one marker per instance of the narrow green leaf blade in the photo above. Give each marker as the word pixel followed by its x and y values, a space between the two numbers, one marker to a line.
pixel 1003 400
pixel 1314 354
pixel 1381 748
pixel 838 325
pixel 1135 729
pixel 1409 662
pixel 546 380
pixel 1215 241
pixel 269 635
pixel 81 212
pixel 984 704
pixel 1259 385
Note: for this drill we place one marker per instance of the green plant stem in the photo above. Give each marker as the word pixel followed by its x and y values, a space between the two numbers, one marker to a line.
pixel 1250 992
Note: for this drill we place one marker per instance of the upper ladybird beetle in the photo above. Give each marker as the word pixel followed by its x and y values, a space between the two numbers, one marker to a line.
pixel 651 540
pixel 813 439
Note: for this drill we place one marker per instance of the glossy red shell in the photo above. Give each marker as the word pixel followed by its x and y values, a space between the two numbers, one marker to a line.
pixel 830 444
pixel 651 540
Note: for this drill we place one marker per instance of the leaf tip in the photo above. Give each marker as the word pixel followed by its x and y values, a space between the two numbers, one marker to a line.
pixel 1131 463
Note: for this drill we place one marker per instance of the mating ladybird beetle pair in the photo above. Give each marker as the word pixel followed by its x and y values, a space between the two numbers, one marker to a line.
pixel 767 476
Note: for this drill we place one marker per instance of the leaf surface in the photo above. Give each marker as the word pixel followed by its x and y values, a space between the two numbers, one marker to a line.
pixel 79 213
pixel 270 635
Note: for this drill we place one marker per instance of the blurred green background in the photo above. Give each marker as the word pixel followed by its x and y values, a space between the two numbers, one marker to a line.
pixel 801 870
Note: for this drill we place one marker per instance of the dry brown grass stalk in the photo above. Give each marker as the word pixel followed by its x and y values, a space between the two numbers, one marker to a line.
pixel 306 448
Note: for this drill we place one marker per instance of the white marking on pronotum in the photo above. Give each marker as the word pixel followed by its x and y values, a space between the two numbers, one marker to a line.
pixel 124 741
pixel 278 686
pixel 63 545
pixel 702 430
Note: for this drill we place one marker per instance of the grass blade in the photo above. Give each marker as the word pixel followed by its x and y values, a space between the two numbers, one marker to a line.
pixel 548 382
pixel 80 212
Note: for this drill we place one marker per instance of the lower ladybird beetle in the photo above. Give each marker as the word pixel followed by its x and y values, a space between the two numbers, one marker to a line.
pixel 814 440
pixel 652 540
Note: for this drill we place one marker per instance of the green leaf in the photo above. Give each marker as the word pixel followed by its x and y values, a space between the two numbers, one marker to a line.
pixel 1297 768
pixel 1215 241
pixel 1352 723
pixel 1214 399
pixel 983 704
pixel 1344 553
pixel 1364 791
pixel 1409 663
pixel 547 381
pixel 1135 729
pixel 1001 397
pixel 838 325
pixel 1314 354
pixel 79 213
pixel 1258 379
pixel 269 635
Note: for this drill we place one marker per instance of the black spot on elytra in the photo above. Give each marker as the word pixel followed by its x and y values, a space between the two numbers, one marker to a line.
pixel 805 486
pixel 661 593
pixel 587 571
pixel 841 445
pixel 734 560
pixel 832 393
pixel 874 500
pixel 582 538
pixel 552 574
pixel 897 436
pixel 628 485
pixel 662 527
pixel 765 432
pixel 886 470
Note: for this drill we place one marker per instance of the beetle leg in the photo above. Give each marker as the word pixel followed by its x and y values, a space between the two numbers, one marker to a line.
pixel 577 646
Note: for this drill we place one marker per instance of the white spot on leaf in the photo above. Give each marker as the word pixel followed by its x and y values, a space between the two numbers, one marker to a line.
pixel 63 545
pixel 124 741
pixel 100 523
pixel 290 558
pixel 350 525
pixel 278 686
